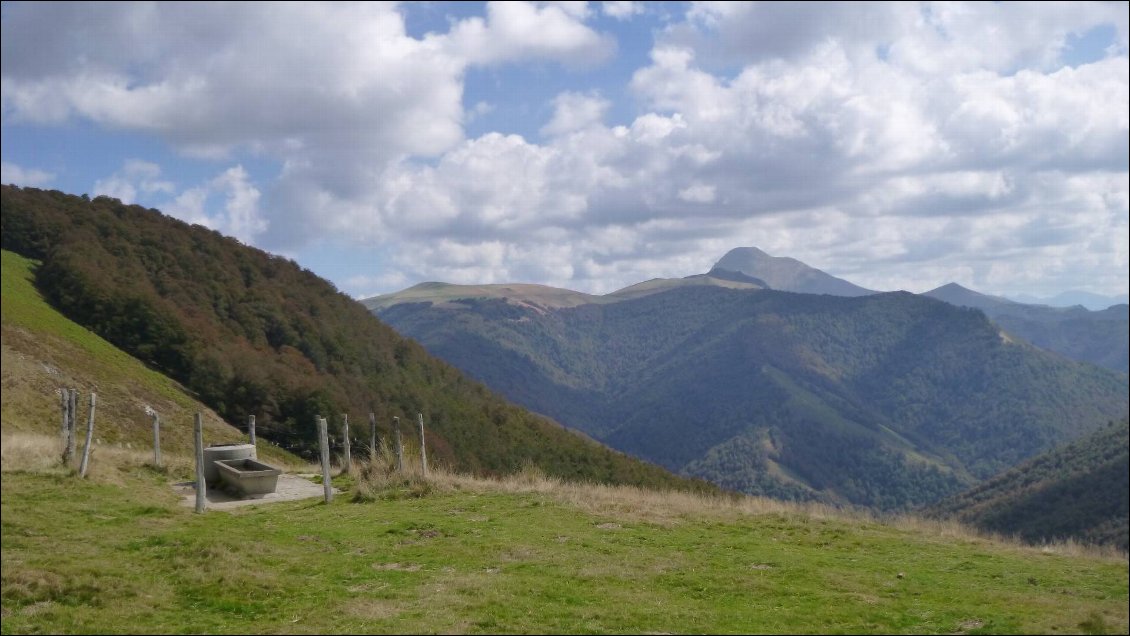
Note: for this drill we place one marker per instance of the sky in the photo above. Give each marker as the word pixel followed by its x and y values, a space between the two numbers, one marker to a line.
pixel 595 145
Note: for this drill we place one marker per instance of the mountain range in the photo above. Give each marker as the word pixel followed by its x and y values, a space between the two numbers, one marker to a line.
pixel 888 400
pixel 1087 300
pixel 1100 337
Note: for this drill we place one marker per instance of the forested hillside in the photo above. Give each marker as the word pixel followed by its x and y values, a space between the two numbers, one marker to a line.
pixel 1077 491
pixel 1099 337
pixel 253 333
pixel 887 400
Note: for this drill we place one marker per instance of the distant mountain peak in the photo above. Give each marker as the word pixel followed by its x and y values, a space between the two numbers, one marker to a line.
pixel 787 274
pixel 952 286
pixel 956 294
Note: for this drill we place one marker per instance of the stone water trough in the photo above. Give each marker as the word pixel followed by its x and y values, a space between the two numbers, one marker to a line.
pixel 220 452
pixel 234 467
pixel 247 476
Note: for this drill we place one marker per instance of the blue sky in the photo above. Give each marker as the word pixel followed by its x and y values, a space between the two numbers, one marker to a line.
pixel 595 145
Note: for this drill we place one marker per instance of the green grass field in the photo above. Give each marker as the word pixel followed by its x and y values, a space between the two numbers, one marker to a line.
pixel 118 553
pixel 523 556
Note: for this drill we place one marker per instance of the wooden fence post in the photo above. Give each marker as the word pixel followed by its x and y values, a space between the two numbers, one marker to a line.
pixel 399 446
pixel 251 434
pixel 201 487
pixel 345 434
pixel 72 426
pixel 65 401
pixel 423 449
pixel 372 437
pixel 89 438
pixel 156 439
pixel 324 443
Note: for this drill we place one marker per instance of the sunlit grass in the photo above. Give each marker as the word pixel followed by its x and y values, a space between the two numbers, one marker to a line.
pixel 525 553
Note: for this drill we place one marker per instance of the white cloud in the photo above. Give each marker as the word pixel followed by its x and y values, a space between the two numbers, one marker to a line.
pixel 893 143
pixel 573 112
pixel 515 31
pixel 13 174
pixel 819 149
pixel 239 216
pixel 622 9
pixel 136 177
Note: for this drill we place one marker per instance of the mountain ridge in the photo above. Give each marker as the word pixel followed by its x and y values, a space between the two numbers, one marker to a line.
pixel 734 384
pixel 1099 337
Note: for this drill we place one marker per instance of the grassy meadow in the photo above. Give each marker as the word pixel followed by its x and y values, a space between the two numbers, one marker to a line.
pixel 525 554
pixel 120 553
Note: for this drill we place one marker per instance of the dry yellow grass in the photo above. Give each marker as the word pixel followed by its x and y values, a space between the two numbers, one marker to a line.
pixel 29 452
pixel 33 452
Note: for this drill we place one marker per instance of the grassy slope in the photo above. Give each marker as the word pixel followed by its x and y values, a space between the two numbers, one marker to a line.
pixel 43 351
pixel 525 557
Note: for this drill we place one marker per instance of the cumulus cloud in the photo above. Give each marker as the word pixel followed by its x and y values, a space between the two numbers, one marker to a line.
pixel 335 92
pixel 621 9
pixel 237 216
pixel 135 177
pixel 520 30
pixel 859 138
pixel 839 146
pixel 11 173
pixel 573 111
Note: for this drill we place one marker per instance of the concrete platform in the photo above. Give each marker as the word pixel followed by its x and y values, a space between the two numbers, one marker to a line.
pixel 290 488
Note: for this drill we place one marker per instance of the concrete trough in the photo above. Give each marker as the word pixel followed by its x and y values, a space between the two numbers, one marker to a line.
pixel 248 477
pixel 220 452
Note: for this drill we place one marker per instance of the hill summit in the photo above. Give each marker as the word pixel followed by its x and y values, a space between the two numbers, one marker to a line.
pixel 787 274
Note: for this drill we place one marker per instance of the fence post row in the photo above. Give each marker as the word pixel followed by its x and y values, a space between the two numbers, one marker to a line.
pixel 68 401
